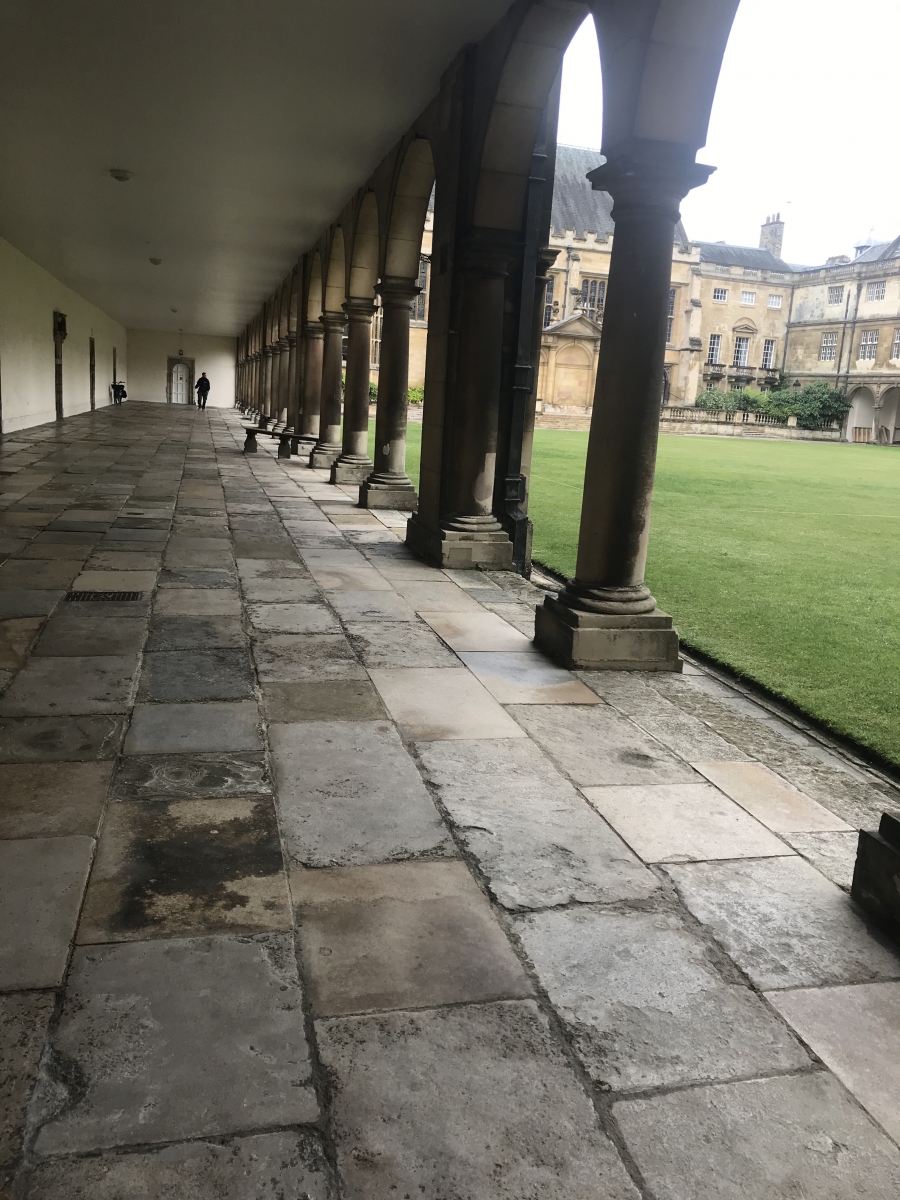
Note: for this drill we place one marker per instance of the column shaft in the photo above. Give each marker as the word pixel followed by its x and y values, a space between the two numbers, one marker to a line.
pixel 389 486
pixel 354 463
pixel 312 386
pixel 605 617
pixel 328 447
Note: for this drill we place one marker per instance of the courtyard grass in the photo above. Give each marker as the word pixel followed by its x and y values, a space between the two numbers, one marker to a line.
pixel 781 559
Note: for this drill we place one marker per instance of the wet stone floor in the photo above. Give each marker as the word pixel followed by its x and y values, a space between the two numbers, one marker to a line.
pixel 318 880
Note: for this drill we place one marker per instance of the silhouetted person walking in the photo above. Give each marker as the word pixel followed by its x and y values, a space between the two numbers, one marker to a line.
pixel 202 386
pixel 118 393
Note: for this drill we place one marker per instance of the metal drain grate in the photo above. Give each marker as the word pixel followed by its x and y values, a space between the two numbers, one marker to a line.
pixel 104 595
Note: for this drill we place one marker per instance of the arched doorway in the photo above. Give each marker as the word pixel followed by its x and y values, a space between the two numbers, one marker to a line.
pixel 861 418
pixel 180 382
pixel 887 415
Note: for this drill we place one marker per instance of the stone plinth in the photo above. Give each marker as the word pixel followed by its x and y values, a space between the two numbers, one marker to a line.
pixel 876 878
pixel 344 470
pixel 323 457
pixel 458 549
pixel 399 494
pixel 607 641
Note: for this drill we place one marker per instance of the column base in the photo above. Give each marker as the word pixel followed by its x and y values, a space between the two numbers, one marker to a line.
pixel 461 551
pixel 351 470
pixel 323 456
pixel 391 493
pixel 306 443
pixel 606 641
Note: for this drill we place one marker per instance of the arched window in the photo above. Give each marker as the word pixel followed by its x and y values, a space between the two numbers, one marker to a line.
pixel 377 319
pixel 419 306
pixel 593 293
pixel 548 303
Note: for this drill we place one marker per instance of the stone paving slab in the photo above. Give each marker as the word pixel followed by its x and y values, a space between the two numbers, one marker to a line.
pixel 196 675
pixel 398 644
pixel 770 799
pixel 24 1018
pixel 645 1004
pixel 853 1030
pixel 189 728
pixel 683 822
pixel 349 794
pixel 595 745
pixel 186 867
pixel 329 700
pixel 292 618
pixel 422 1107
pixel 834 854
pixel 52 799
pixel 476 631
pixel 24 602
pixel 166 1040
pixel 16 639
pixel 432 703
pixel 784 923
pixel 78 630
pixel 59 739
pixel 292 658
pixel 195 633
pixel 526 678
pixel 268 1166
pixel 767 1139
pixel 536 841
pixel 406 935
pixel 41 884
pixel 72 685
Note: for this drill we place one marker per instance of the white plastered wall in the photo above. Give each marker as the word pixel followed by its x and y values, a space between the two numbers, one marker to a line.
pixel 29 295
pixel 150 350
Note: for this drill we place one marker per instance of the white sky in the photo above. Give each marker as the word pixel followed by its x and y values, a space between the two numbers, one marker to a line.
pixel 805 122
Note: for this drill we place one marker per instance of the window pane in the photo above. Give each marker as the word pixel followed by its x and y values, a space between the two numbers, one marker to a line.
pixel 868 344
pixel 895 348
pixel 875 291
pixel 741 351
pixel 835 295
pixel 720 293
pixel 748 297
pixel 768 358
pixel 548 303
pixel 828 347
pixel 715 345
pixel 775 301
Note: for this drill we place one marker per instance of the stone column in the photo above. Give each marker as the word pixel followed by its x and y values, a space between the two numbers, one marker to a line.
pixel 470 534
pixel 293 403
pixel 283 380
pixel 354 464
pixel 389 486
pixel 268 371
pixel 328 447
pixel 313 336
pixel 605 618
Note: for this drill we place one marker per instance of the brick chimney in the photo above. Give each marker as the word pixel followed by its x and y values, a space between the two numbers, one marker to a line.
pixel 771 235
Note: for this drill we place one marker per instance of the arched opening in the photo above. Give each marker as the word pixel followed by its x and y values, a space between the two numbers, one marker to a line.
pixel 409 208
pixel 861 418
pixel 314 299
pixel 336 277
pixel 574 377
pixel 887 416
pixel 364 255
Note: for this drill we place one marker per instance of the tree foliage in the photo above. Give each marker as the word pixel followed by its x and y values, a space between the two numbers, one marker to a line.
pixel 811 405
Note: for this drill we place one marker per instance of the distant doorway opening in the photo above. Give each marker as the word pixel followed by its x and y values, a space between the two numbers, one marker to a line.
pixel 59 336
pixel 92 373
pixel 180 382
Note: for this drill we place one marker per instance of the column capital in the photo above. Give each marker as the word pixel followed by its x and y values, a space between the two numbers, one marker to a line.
pixel 397 289
pixel 489 252
pixel 292 338
pixel 645 174
pixel 314 329
pixel 268 351
pixel 358 308
pixel 333 320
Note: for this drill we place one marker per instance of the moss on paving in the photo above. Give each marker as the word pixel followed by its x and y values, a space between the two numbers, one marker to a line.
pixel 781 559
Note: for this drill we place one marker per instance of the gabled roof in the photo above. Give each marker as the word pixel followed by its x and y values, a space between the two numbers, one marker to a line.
pixel 880 252
pixel 577 323
pixel 757 259
pixel 576 205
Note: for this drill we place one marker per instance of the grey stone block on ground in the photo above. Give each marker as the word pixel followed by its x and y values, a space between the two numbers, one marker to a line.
pixel 348 794
pixel 535 838
pixel 312 657
pixel 768 1139
pixel 52 799
pixel 59 739
pixel 171 1040
pixel 645 1004
pixel 24 1018
pixel 267 1166
pixel 198 776
pixel 784 923
pixel 476 1101
pixel 72 686
pixel 41 884
pixel 189 728
pixel 171 677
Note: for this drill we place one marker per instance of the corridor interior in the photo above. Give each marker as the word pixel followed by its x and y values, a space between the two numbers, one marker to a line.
pixel 318 880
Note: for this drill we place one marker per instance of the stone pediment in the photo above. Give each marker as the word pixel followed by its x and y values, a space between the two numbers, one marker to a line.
pixel 578 326
pixel 744 326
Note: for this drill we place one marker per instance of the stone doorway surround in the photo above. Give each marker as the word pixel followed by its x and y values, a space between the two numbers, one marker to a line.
pixel 317 878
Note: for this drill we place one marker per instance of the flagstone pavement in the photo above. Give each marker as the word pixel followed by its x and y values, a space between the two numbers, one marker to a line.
pixel 318 880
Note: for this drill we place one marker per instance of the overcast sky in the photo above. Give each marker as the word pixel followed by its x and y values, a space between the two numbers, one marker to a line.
pixel 806 121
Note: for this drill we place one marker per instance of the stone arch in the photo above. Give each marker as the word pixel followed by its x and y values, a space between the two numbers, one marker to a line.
pixel 861 418
pixel 887 415
pixel 364 254
pixel 574 376
pixel 314 290
pixel 336 276
pixel 660 62
pixel 409 206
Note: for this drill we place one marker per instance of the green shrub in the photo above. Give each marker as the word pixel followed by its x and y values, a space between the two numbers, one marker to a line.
pixel 373 392
pixel 416 395
pixel 811 405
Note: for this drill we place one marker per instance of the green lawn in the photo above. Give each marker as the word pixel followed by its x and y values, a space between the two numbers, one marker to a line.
pixel 781 559
pixel 778 558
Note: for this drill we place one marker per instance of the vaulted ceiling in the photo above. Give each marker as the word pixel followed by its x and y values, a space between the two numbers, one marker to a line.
pixel 245 125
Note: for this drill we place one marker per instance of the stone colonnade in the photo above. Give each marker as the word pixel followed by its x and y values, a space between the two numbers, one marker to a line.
pixel 485 147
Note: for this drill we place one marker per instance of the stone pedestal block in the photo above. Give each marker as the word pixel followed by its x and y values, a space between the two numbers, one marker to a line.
pixel 606 641
pixel 876 877
pixel 400 495
pixel 323 457
pixel 460 550
pixel 346 471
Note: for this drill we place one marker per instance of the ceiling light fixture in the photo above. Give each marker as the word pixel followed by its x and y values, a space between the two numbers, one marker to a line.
pixel 120 174
pixel 156 261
